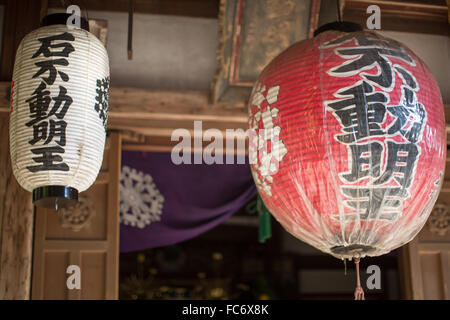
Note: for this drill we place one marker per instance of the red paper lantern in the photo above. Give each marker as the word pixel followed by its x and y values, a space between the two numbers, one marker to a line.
pixel 350 142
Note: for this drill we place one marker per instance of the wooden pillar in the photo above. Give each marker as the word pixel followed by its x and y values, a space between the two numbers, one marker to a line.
pixel 425 261
pixel 16 209
pixel 16 227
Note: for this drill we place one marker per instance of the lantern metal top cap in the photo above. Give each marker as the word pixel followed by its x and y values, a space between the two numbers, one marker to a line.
pixel 61 18
pixel 343 26
pixel 56 197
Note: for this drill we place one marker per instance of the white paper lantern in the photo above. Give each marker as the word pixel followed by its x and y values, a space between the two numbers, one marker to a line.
pixel 59 104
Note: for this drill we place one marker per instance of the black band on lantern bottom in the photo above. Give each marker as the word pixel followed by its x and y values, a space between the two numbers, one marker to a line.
pixel 55 197
pixel 343 26
pixel 352 250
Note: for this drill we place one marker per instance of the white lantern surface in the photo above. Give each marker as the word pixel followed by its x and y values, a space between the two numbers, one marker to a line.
pixel 58 115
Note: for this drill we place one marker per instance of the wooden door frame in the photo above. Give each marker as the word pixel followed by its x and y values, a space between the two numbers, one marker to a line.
pixel 75 245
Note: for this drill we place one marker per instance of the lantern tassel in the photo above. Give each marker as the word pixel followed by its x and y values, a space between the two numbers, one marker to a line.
pixel 359 292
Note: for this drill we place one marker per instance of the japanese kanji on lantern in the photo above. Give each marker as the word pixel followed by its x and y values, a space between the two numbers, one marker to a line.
pixel 58 113
pixel 350 145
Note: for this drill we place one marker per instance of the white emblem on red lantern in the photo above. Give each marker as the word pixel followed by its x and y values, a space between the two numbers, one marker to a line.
pixel 267 150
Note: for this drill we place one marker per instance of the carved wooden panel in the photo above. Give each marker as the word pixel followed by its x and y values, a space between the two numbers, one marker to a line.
pixel 426 260
pixel 252 33
pixel 86 235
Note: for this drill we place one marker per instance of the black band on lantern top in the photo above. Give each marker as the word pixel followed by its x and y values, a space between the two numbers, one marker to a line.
pixel 343 26
pixel 56 197
pixel 61 18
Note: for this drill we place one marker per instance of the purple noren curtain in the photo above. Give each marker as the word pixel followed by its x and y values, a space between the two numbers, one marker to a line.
pixel 163 203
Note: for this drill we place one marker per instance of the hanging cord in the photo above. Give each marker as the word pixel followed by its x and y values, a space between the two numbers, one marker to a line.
pixel 130 29
pixel 87 12
pixel 359 292
pixel 338 4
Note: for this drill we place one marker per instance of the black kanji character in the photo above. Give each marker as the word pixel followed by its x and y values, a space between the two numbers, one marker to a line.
pixel 62 99
pixel 400 163
pixel 49 66
pixel 367 58
pixel 407 77
pixel 365 161
pixel 38 104
pixel 46 45
pixel 101 106
pixel 360 112
pixel 57 129
pixel 39 132
pixel 38 109
pixel 47 159
pixel 374 203
pixel 411 117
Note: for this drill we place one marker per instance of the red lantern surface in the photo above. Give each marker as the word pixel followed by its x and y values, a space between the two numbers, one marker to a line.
pixel 350 144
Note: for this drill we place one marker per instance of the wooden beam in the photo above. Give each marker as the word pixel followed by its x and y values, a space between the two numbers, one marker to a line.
pixel 189 8
pixel 152 145
pixel 147 118
pixel 448 5
pixel 153 115
pixel 169 105
pixel 132 103
pixel 407 16
pixel 20 17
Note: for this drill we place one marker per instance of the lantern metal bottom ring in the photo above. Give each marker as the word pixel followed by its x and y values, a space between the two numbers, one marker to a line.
pixel 55 197
pixel 352 250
